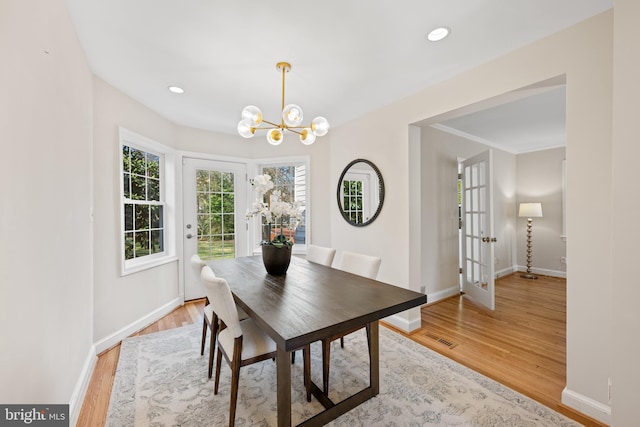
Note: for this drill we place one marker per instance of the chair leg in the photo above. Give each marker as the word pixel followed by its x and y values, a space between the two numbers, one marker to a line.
pixel 293 357
pixel 212 344
pixel 235 379
pixel 218 366
pixel 204 335
pixel 306 358
pixel 326 357
pixel 341 342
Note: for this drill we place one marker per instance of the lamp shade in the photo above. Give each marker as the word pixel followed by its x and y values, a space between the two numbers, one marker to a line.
pixel 530 210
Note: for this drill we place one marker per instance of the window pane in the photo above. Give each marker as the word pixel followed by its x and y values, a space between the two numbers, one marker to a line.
pixel 216 184
pixel 202 180
pixel 156 216
pixel 216 224
pixel 156 241
pixel 126 182
pixel 204 248
pixel 138 162
pixel 138 187
pixel 141 240
pixel 215 199
pixel 227 182
pixel 126 161
pixel 228 223
pixel 228 202
pixel 141 217
pixel 203 203
pixel 204 228
pixel 128 217
pixel 153 189
pixel 153 166
pixel 128 246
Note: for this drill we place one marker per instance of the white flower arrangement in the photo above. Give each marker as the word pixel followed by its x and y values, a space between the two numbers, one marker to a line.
pixel 274 210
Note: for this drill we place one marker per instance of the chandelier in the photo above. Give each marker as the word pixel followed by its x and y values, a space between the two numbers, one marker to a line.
pixel 291 120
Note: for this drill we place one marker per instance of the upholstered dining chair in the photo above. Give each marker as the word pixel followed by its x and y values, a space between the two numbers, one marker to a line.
pixel 210 319
pixel 362 265
pixel 320 255
pixel 241 343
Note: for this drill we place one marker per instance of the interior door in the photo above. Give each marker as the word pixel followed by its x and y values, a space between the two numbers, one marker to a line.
pixel 215 195
pixel 478 275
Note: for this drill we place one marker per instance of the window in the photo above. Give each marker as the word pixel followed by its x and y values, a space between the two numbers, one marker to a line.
pixel 352 200
pixel 144 203
pixel 290 178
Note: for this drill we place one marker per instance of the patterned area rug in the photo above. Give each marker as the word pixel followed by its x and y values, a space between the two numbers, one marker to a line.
pixel 161 380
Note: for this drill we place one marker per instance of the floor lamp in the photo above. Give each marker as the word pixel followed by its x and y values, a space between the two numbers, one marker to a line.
pixel 529 211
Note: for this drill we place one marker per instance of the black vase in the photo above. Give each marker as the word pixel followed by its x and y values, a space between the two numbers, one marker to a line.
pixel 276 260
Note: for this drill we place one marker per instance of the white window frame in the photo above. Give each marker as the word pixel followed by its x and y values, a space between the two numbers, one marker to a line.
pixel 167 157
pixel 254 227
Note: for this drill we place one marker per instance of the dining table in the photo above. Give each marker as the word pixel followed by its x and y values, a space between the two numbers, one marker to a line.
pixel 306 304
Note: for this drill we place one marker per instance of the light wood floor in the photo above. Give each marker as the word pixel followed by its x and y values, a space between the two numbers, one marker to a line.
pixel 521 344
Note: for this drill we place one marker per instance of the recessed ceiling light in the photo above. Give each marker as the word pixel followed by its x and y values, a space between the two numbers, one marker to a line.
pixel 438 34
pixel 176 89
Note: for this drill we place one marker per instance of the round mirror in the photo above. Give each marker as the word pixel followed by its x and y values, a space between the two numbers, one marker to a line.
pixel 360 192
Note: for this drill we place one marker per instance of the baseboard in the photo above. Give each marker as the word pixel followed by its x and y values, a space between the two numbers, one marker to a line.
pixel 115 338
pixel 400 322
pixel 542 271
pixel 505 272
pixel 587 406
pixel 443 294
pixel 80 390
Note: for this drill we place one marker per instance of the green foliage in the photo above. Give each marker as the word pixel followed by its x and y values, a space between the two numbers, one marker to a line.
pixel 280 241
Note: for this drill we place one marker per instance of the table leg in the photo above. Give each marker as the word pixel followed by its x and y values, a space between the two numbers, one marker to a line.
pixel 374 357
pixel 283 365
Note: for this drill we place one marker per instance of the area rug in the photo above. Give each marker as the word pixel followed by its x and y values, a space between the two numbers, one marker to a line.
pixel 161 380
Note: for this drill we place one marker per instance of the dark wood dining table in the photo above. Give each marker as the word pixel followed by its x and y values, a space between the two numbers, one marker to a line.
pixel 308 303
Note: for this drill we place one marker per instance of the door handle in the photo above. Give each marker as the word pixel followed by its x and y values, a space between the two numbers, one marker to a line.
pixel 189 236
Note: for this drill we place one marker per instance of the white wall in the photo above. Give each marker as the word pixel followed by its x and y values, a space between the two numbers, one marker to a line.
pixel 122 300
pixel 540 180
pixel 583 53
pixel 45 226
pixel 625 206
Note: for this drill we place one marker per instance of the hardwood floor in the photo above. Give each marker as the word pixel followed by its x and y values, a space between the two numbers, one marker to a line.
pixel 521 344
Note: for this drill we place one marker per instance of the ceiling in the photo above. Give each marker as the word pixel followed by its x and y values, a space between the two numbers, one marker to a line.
pixel 347 57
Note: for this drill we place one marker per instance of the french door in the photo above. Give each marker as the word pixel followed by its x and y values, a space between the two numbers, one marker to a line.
pixel 478 275
pixel 214 204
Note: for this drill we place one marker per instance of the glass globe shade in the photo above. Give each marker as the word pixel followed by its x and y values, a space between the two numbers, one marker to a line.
pixel 319 126
pixel 292 115
pixel 252 115
pixel 245 129
pixel 307 137
pixel 275 136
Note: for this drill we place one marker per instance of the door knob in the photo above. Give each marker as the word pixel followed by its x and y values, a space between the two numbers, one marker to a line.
pixel 189 236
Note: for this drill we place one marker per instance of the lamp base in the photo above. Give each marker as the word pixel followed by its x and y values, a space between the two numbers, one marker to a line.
pixel 529 276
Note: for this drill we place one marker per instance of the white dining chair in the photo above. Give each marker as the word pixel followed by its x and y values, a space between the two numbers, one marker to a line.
pixel 320 255
pixel 210 319
pixel 362 265
pixel 241 343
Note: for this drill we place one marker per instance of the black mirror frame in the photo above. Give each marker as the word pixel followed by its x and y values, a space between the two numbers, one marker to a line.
pixel 380 191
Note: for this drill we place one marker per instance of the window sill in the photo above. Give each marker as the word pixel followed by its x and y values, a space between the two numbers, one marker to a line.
pixel 148 265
